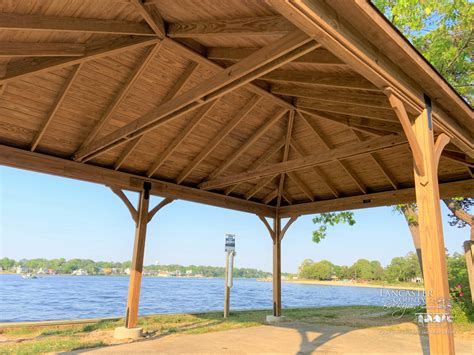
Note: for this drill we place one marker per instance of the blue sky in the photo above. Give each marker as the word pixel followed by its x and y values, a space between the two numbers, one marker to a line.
pixel 51 217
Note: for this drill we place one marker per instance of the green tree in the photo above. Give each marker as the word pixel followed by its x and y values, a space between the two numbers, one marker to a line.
pixel 7 263
pixel 442 30
pixel 330 219
pixel 362 269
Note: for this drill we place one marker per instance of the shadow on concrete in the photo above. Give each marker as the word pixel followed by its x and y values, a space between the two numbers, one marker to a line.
pixel 313 333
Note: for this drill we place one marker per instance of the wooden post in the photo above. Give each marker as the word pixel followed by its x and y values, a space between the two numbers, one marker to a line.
pixel 137 260
pixel 277 266
pixel 426 156
pixel 227 288
pixel 141 217
pixel 277 234
pixel 469 253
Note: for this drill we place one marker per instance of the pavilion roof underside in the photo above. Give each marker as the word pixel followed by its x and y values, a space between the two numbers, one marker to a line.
pixel 94 83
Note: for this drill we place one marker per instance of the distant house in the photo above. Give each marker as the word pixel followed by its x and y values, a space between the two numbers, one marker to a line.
pixel 127 271
pixel 416 279
pixel 163 274
pixel 189 272
pixel 80 272
pixel 42 271
pixel 21 269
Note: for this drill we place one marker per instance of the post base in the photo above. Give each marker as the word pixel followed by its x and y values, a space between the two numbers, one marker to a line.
pixel 275 319
pixel 128 333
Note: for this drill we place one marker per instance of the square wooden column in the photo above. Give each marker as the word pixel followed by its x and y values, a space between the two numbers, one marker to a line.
pixel 277 267
pixel 426 154
pixel 137 259
pixel 431 239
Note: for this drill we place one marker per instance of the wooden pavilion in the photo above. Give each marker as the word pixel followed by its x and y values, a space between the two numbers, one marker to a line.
pixel 273 107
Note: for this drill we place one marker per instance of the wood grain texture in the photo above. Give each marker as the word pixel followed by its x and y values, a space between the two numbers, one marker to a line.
pixel 255 26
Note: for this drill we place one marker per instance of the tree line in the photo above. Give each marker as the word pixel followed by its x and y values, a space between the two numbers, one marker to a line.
pixel 63 266
pixel 401 269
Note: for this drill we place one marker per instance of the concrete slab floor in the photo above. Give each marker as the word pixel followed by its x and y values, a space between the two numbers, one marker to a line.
pixel 287 338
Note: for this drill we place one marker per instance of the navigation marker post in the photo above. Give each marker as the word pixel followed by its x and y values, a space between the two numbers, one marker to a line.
pixel 229 268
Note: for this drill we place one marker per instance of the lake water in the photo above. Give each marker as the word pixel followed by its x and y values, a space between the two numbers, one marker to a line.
pixel 73 297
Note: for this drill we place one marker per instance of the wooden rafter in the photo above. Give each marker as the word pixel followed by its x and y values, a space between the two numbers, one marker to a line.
pixel 139 68
pixel 301 184
pixel 260 161
pixel 319 172
pixel 249 143
pixel 184 133
pixel 184 78
pixel 339 95
pixel 457 157
pixel 23 159
pixel 26 67
pixel 56 104
pixel 276 54
pixel 384 114
pixel 151 16
pixel 321 79
pixel 34 49
pixel 9 21
pixel 319 56
pixel 286 153
pixel 260 185
pixel 203 154
pixel 347 151
pixel 355 122
pixel 380 165
pixel 253 26
pixel 328 146
pixel 129 148
pixel 271 196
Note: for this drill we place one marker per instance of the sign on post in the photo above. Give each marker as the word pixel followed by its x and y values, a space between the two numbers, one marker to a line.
pixel 229 242
pixel 230 253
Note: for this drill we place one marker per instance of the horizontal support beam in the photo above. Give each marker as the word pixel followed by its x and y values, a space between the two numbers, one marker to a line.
pixel 345 152
pixel 335 95
pixel 348 109
pixel 9 21
pixel 319 56
pixel 252 26
pixel 33 49
pixel 32 66
pixel 351 121
pixel 22 159
pixel 464 188
pixel 321 79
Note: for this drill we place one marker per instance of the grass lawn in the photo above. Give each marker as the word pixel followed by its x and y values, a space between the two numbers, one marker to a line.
pixel 43 339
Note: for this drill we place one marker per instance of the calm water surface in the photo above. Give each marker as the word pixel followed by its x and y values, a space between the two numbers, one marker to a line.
pixel 72 297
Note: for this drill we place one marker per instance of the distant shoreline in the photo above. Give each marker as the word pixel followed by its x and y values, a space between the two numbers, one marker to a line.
pixel 350 284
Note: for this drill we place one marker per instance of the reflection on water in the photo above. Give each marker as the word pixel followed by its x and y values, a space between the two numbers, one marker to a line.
pixel 72 297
